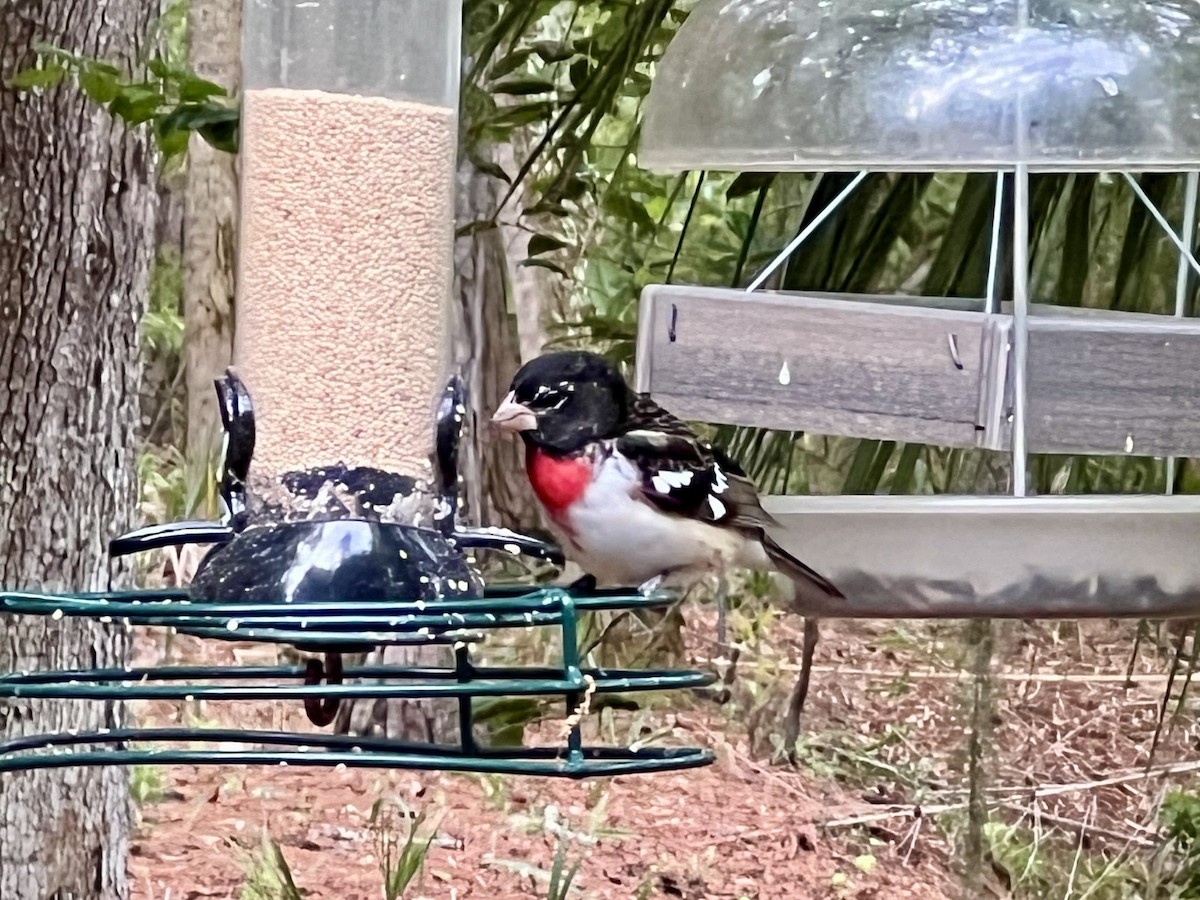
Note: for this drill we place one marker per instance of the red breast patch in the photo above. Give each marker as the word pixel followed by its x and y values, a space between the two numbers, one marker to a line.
pixel 558 481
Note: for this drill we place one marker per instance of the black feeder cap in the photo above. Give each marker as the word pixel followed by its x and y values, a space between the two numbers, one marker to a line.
pixel 334 561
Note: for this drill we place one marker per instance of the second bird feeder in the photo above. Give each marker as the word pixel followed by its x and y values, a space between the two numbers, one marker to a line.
pixel 1016 88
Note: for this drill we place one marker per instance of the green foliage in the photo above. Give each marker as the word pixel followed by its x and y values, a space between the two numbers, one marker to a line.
pixel 399 863
pixel 505 718
pixel 268 875
pixel 162 325
pixel 146 785
pixel 1181 821
pixel 157 88
pixel 561 877
pixel 1036 865
pixel 163 486
pixel 164 494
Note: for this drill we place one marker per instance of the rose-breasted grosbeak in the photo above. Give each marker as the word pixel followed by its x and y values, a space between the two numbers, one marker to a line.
pixel 633 494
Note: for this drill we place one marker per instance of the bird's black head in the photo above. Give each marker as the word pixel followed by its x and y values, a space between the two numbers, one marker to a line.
pixel 563 401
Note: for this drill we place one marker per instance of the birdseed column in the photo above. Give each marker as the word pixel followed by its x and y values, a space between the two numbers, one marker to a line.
pixel 349 135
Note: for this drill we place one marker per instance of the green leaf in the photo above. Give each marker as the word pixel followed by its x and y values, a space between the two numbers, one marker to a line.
pixel 488 166
pixel 637 85
pixel 217 124
pixel 136 103
pixel 523 86
pixel 579 72
pixel 552 51
pixel 547 207
pixel 53 52
pixel 506 65
pixel 572 189
pixel 172 142
pixel 960 267
pixel 99 85
pixel 223 136
pixel 475 227
pixel 159 68
pixel 525 114
pixel 903 478
pixel 47 76
pixel 100 65
pixel 193 89
pixel 546 264
pixel 545 243
pixel 1076 253
pixel 194 116
pixel 749 183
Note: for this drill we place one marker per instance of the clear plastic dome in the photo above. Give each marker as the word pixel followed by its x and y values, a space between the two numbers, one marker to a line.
pixel 928 85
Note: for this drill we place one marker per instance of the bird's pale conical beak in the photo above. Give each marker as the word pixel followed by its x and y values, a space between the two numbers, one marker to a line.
pixel 514 416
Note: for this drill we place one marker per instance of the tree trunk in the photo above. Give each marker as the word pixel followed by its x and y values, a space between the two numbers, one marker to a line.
pixel 210 236
pixel 77 213
pixel 494 469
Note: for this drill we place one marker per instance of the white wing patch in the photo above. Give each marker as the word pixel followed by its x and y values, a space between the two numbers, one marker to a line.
pixel 665 482
pixel 720 485
pixel 717 507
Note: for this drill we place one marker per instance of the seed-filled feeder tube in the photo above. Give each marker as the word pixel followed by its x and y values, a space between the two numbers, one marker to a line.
pixel 349 135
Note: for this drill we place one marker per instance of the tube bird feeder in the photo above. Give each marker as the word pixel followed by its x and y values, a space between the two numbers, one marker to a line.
pixel 348 163
pixel 1012 87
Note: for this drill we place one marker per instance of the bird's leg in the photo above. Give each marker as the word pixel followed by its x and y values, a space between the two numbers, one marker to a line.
pixel 725 693
pixel 791 731
pixel 722 612
pixel 651 585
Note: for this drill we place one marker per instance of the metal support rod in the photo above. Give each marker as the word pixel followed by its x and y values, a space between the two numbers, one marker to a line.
pixel 808 230
pixel 1154 211
pixel 1188 232
pixel 993 304
pixel 1020 325
pixel 466 720
pixel 572 672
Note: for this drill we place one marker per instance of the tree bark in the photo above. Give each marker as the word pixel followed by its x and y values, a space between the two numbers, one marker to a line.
pixel 77 218
pixel 210 236
pixel 494 469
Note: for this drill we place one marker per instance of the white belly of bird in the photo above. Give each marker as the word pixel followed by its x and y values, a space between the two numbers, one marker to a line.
pixel 623 540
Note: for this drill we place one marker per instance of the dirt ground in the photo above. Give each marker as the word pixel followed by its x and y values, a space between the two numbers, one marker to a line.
pixel 874 808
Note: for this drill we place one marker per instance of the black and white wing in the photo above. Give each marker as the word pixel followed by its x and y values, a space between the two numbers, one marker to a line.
pixel 684 475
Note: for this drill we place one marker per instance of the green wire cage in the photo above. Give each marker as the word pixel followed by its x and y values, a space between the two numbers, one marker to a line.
pixel 340 585
pixel 459 622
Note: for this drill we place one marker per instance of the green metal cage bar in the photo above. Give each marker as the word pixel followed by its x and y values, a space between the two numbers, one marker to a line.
pixel 368 623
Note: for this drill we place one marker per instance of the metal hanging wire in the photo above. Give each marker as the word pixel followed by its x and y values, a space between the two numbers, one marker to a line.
pixel 803 236
pixel 1190 192
pixel 992 303
pixel 1020 331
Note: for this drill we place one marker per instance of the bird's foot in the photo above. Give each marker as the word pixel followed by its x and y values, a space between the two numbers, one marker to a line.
pixel 649 587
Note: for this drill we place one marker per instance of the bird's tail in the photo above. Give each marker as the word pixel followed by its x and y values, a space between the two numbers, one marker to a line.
pixel 814 593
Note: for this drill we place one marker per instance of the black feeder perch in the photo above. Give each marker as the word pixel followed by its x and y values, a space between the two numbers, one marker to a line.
pixel 333 585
